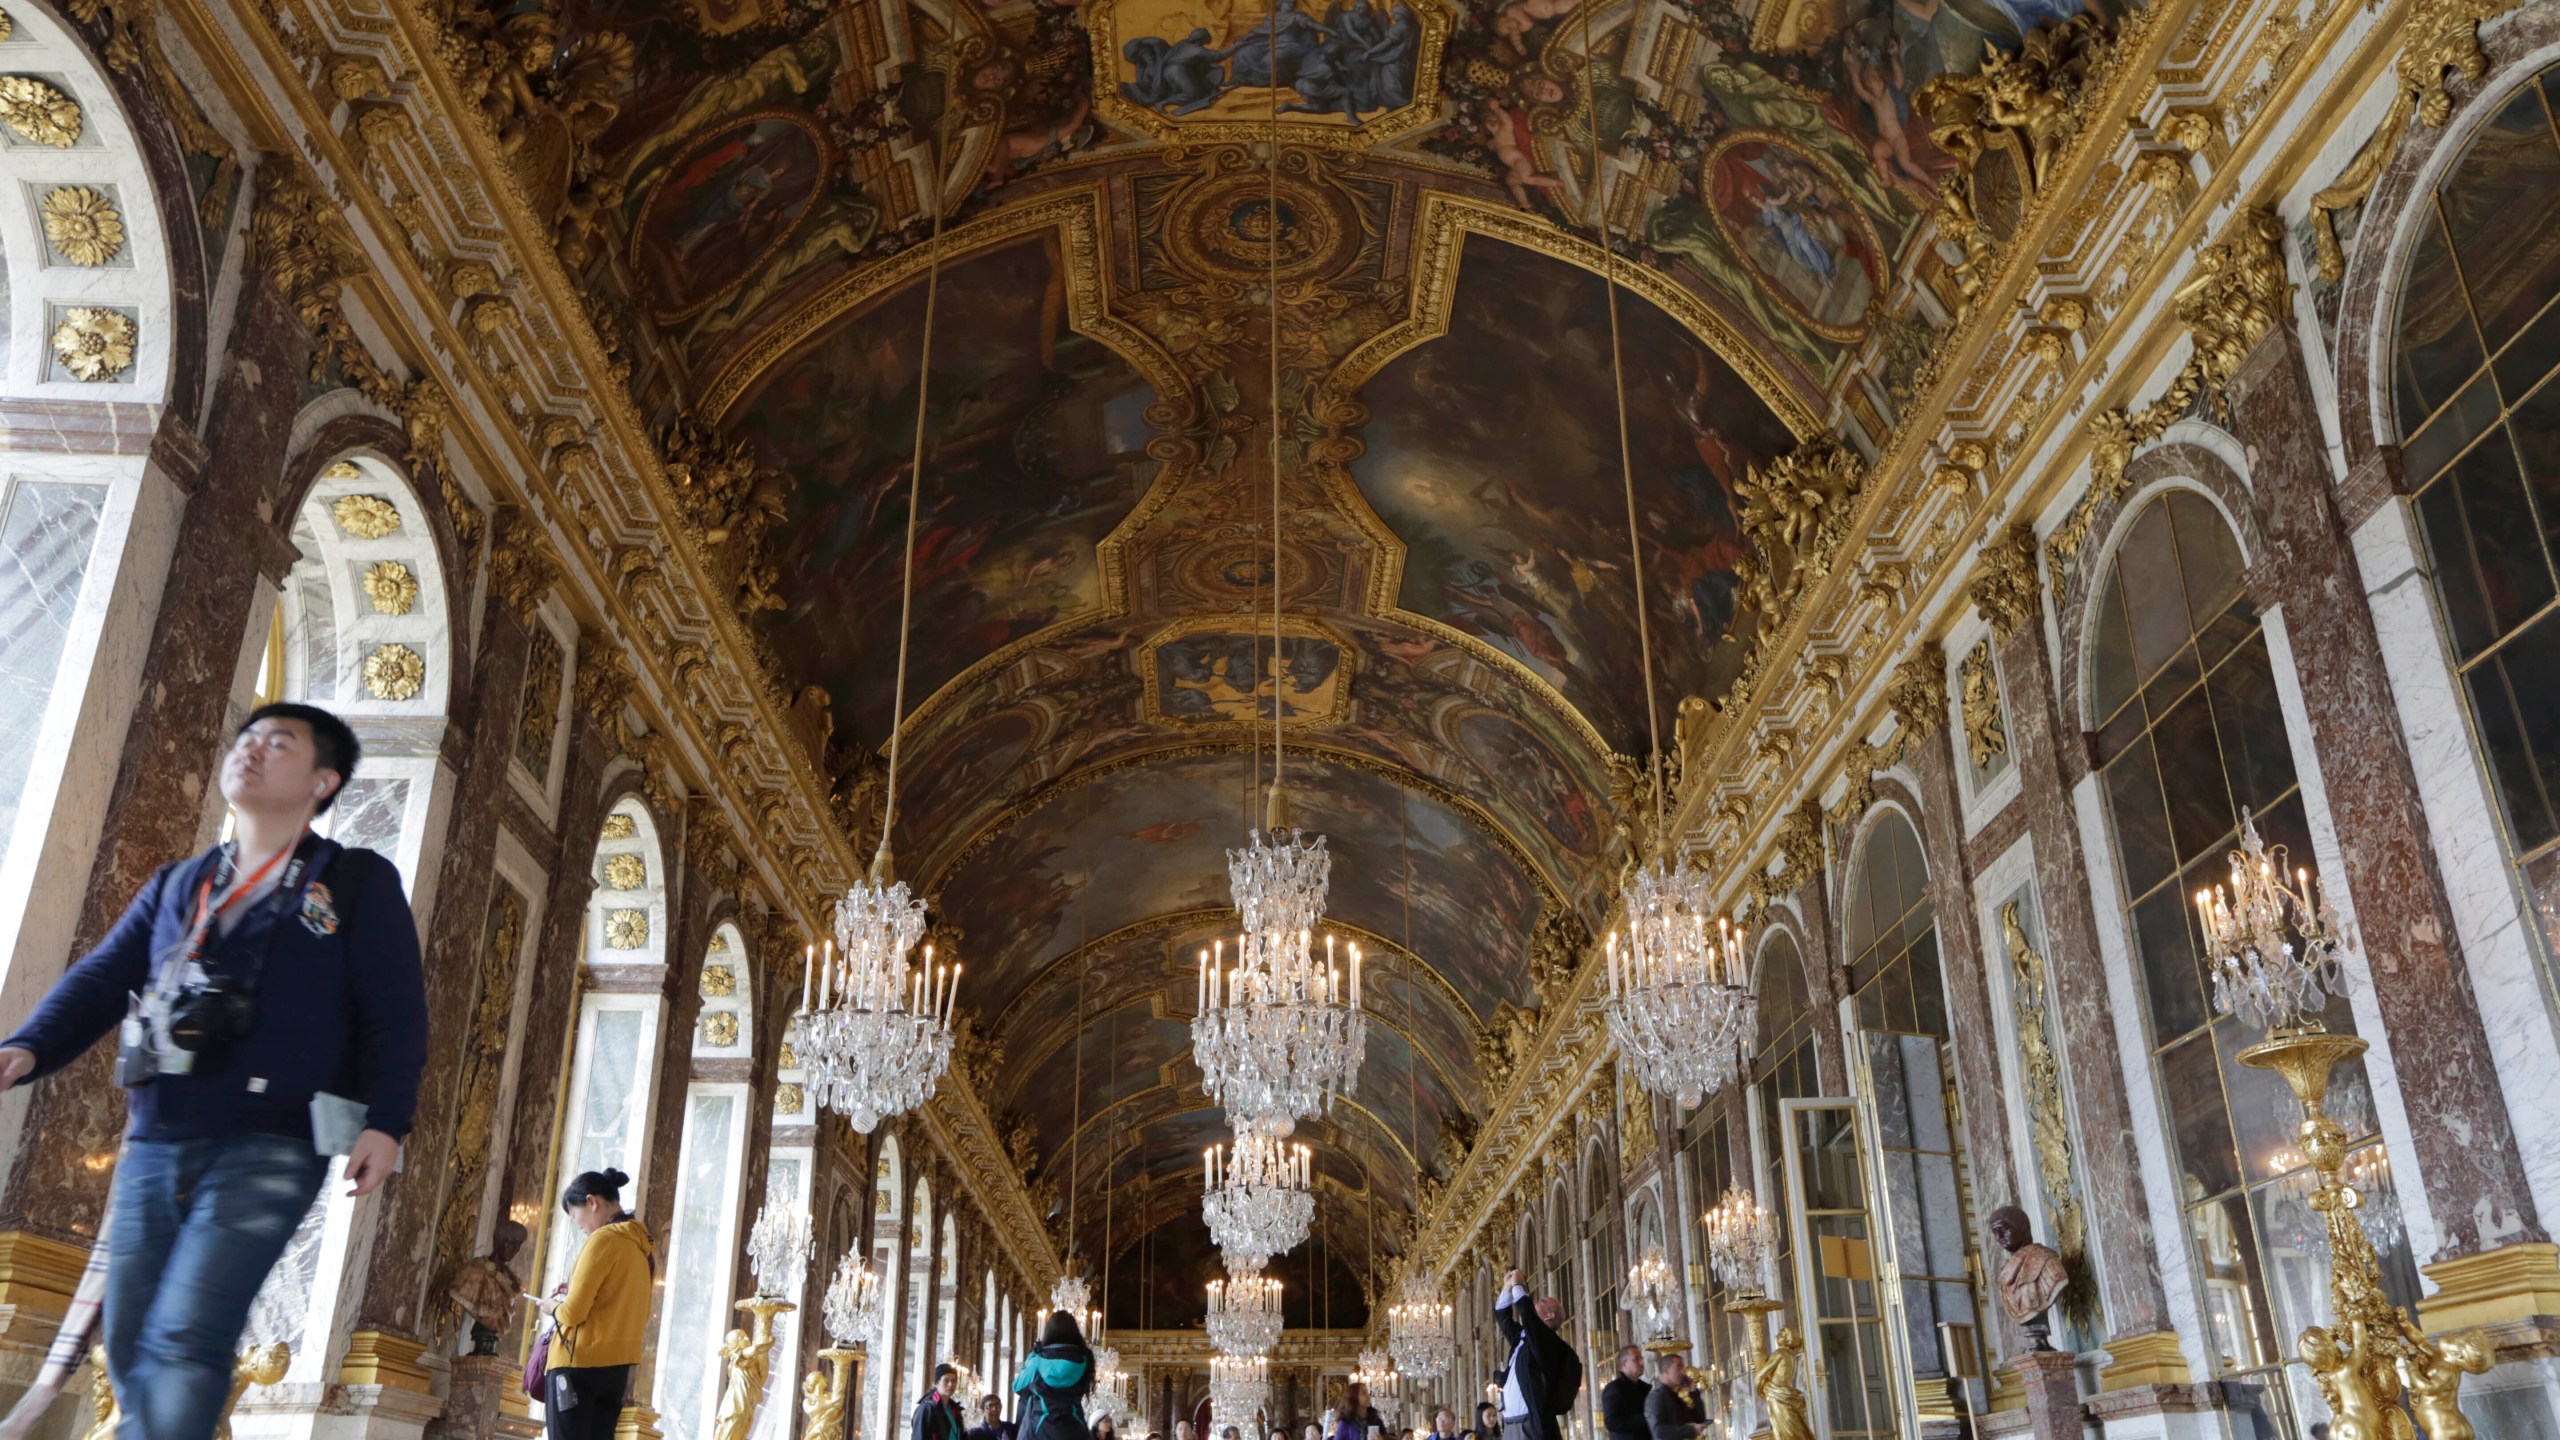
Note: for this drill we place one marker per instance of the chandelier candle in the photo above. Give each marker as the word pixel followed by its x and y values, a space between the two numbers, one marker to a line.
pixel 1244 1314
pixel 1678 1008
pixel 1279 1033
pixel 878 1036
pixel 1420 1331
pixel 1258 1199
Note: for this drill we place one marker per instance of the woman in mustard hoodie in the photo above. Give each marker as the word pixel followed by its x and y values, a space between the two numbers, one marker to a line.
pixel 603 1318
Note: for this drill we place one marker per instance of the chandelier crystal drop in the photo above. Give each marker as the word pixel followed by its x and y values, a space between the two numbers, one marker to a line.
pixel 852 1304
pixel 1421 1333
pixel 1110 1397
pixel 1679 1009
pixel 1740 1236
pixel 1278 1032
pixel 1377 1371
pixel 874 1033
pixel 1239 1385
pixel 1073 1294
pixel 1650 1293
pixel 1258 1198
pixel 2274 950
pixel 1244 1313
pixel 778 1247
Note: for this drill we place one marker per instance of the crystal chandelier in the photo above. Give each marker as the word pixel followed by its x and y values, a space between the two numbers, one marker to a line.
pixel 875 1036
pixel 1678 1006
pixel 1739 1239
pixel 1420 1330
pixel 1278 1033
pixel 1377 1371
pixel 1110 1397
pixel 1238 1386
pixel 778 1248
pixel 852 1304
pixel 1258 1198
pixel 2260 973
pixel 1244 1314
pixel 1649 1293
pixel 1073 1294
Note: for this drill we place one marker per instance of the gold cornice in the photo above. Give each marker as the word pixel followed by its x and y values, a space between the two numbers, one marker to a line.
pixel 1549 892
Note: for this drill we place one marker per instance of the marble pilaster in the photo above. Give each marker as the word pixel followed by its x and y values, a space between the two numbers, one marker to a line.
pixel 485 716
pixel 2467 1157
pixel 2119 1227
pixel 1973 1034
pixel 2052 1382
pixel 226 550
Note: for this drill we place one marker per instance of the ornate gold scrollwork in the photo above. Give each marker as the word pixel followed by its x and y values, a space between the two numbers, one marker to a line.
pixel 1986 735
pixel 2444 39
pixel 38 113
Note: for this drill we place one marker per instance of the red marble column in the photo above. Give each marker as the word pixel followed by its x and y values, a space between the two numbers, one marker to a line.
pixel 227 548
pixel 2119 1222
pixel 2467 1156
pixel 483 720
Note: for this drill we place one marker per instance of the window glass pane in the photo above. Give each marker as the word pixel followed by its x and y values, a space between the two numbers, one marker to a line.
pixel 2250 722
pixel 695 1295
pixel 2191 775
pixel 2235 1312
pixel 2529 357
pixel 2517 708
pixel 2155 599
pixel 2208 558
pixel 2438 350
pixel 2500 205
pixel 2163 934
pixel 2504 533
pixel 2141 818
pixel 2534 429
pixel 2111 677
pixel 2191 1081
pixel 2466 603
pixel 44 550
pixel 2473 411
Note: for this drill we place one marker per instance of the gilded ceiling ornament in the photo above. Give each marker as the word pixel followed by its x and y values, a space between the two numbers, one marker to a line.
pixel 719 982
pixel 391 588
pixel 626 871
pixel 522 568
pixel 2004 584
pixel 82 225
pixel 2444 39
pixel 2049 1124
pixel 1985 734
pixel 1638 1137
pixel 619 826
pixel 2027 100
pixel 366 517
pixel 39 113
pixel 1918 692
pixel 94 342
pixel 394 672
pixel 8 27
pixel 538 720
pixel 788 1098
pixel 483 1066
pixel 626 929
pixel 342 470
pixel 720 1029
pixel 1796 512
pixel 789 1058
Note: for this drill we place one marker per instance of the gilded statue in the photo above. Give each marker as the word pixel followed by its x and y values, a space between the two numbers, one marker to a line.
pixel 1775 1381
pixel 104 1413
pixel 2355 1409
pixel 259 1365
pixel 822 1401
pixel 747 1359
pixel 2433 1375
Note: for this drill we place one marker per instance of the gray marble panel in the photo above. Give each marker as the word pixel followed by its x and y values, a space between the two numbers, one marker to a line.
pixel 368 814
pixel 45 536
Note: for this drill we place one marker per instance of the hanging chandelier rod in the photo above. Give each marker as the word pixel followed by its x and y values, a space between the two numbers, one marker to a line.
pixel 1626 455
pixel 880 861
pixel 1275 814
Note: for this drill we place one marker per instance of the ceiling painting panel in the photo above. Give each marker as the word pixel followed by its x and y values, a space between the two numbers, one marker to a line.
pixel 1038 450
pixel 1492 451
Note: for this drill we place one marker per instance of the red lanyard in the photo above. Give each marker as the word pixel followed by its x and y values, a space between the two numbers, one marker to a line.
pixel 239 890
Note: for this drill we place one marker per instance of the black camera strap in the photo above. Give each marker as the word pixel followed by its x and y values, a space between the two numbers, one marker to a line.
pixel 289 886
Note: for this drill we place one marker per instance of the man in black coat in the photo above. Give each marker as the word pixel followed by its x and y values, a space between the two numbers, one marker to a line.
pixel 1622 1399
pixel 937 1415
pixel 1543 1374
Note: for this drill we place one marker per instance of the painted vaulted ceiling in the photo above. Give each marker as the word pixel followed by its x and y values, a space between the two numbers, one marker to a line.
pixel 1089 677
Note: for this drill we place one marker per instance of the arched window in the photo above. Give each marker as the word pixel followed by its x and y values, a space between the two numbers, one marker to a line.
pixel 1600 1246
pixel 888 1252
pixel 614 1072
pixel 920 1285
pixel 2481 452
pixel 368 580
pixel 1786 1067
pixel 702 1245
pixel 2183 702
pixel 947 1312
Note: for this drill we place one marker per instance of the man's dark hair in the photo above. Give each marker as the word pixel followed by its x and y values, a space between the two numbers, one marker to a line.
pixel 333 742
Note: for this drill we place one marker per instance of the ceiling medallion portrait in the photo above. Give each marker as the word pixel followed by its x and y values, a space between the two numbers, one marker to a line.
pixel 1359 72
pixel 1223 670
pixel 723 207
pixel 1786 211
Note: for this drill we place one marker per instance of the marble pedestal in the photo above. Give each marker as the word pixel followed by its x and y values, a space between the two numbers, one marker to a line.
pixel 480 1382
pixel 2052 1382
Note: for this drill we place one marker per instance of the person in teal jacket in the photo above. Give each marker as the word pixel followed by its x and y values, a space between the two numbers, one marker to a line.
pixel 1054 1382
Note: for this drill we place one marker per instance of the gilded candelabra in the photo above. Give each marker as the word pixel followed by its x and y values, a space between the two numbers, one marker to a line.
pixel 747 1358
pixel 1739 1238
pixel 822 1397
pixel 2275 952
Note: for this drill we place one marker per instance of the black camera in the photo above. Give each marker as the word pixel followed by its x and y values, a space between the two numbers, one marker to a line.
pixel 209 1013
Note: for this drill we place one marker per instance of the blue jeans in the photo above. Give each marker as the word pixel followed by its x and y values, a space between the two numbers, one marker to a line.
pixel 197 1226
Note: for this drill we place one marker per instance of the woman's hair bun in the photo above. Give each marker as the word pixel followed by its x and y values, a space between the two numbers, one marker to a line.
pixel 617 1177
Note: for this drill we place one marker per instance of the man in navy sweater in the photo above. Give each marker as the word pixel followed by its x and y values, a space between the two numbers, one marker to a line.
pixel 268 1000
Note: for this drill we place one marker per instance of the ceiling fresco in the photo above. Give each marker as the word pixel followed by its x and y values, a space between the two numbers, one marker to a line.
pixel 1084 188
